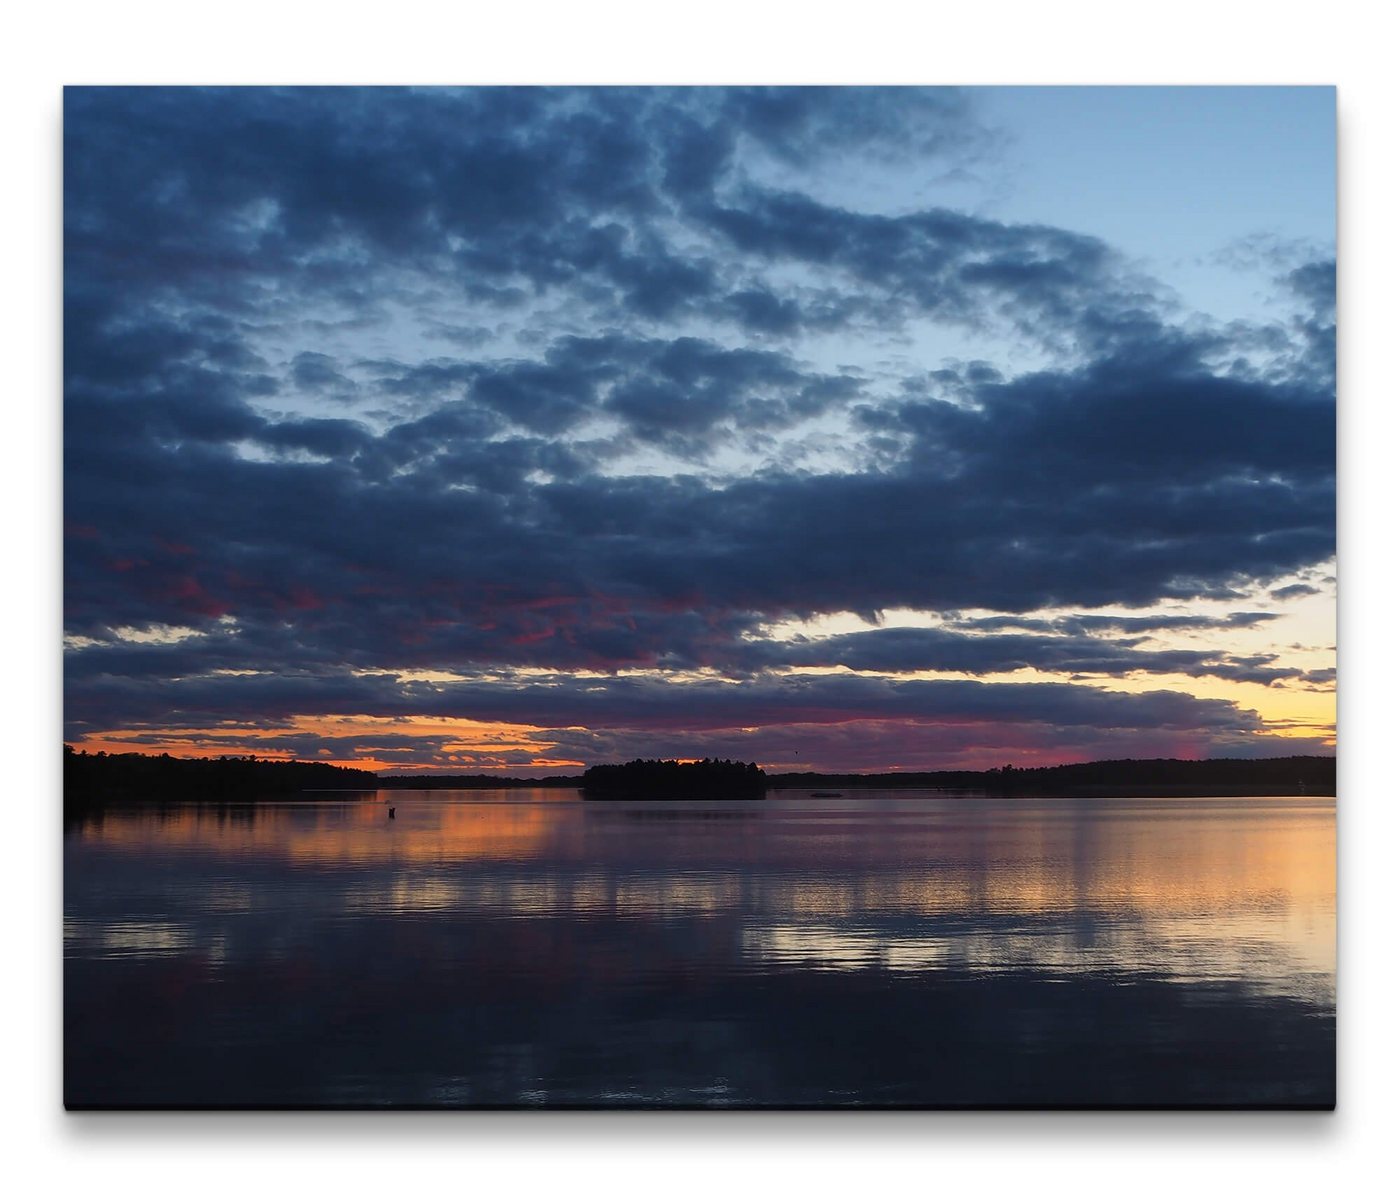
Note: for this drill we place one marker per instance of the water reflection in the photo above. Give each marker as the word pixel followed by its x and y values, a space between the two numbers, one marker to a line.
pixel 549 951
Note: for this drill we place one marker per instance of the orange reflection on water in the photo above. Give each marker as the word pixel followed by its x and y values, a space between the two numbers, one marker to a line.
pixel 334 834
pixel 1198 886
pixel 1149 855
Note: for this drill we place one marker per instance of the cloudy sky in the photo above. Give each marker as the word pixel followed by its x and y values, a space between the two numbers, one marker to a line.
pixel 519 429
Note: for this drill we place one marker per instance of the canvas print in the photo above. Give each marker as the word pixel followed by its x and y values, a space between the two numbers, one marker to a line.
pixel 699 597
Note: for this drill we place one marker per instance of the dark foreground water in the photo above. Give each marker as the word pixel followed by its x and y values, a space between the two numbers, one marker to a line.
pixel 530 949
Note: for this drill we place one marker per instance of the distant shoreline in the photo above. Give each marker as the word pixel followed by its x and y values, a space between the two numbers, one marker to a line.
pixel 95 778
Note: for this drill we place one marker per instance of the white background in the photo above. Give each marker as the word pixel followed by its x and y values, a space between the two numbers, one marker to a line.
pixel 1352 45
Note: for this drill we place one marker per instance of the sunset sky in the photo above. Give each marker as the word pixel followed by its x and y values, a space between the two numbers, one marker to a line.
pixel 849 429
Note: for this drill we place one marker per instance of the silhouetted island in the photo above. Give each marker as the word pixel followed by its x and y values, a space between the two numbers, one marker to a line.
pixel 674 780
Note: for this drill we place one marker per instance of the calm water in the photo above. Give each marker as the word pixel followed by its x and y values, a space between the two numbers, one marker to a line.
pixel 526 948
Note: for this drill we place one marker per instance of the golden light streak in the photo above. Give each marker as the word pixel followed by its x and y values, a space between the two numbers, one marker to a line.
pixel 463 735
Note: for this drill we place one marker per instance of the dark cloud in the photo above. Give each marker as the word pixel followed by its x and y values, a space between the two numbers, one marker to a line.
pixel 1316 285
pixel 214 193
pixel 653 703
pixel 906 650
pixel 1067 290
pixel 1047 493
pixel 674 392
pixel 990 509
pixel 315 371
pixel 1081 623
pixel 799 123
pixel 650 264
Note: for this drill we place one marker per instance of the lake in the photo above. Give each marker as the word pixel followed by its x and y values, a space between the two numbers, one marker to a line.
pixel 526 948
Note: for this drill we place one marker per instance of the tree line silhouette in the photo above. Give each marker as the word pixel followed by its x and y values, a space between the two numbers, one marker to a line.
pixel 1281 775
pixel 89 776
pixel 97 776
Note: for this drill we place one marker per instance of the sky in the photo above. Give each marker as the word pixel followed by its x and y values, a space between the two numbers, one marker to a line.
pixel 516 430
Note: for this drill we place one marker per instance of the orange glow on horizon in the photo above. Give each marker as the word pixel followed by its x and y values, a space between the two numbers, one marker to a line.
pixel 1299 720
pixel 478 739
